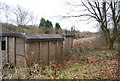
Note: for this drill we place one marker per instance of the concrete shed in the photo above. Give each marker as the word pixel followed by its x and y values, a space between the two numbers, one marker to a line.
pixel 24 49
pixel 68 42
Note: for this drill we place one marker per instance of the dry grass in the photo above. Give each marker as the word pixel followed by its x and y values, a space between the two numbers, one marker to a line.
pixel 90 42
pixel 96 65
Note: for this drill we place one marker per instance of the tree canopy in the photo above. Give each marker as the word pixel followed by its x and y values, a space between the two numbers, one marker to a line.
pixel 57 26
pixel 45 23
pixel 42 22
pixel 48 24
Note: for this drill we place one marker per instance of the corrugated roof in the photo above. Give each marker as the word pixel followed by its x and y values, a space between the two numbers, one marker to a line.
pixel 34 37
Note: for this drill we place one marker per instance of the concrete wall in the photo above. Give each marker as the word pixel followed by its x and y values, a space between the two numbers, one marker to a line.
pixel 45 52
pixel 20 46
pixel 59 51
pixel 68 43
pixel 31 52
pixel 14 51
pixel 20 61
pixel 20 51
pixel 52 51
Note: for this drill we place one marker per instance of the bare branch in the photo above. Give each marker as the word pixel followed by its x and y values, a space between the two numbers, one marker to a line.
pixel 23 16
pixel 106 14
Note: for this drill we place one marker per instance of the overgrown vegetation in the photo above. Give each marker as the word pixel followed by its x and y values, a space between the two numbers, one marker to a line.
pixel 97 63
pixel 50 30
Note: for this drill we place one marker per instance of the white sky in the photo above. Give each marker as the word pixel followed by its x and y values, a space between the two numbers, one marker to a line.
pixel 50 9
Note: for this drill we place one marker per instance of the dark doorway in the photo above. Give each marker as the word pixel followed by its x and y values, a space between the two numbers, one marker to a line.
pixel 3 46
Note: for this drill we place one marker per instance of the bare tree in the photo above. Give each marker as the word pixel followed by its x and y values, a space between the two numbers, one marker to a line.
pixel 22 16
pixel 106 13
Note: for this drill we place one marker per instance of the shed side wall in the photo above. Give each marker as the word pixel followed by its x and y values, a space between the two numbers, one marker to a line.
pixel 70 42
pixel 32 52
pixel 20 46
pixel 44 52
pixel 59 51
pixel 52 51
pixel 20 61
pixel 20 50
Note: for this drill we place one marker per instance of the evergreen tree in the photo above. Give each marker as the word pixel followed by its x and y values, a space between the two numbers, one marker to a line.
pixel 42 22
pixel 48 24
pixel 57 26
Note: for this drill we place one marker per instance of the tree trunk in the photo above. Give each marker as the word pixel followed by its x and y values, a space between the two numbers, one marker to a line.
pixel 111 45
pixel 109 40
pixel 112 40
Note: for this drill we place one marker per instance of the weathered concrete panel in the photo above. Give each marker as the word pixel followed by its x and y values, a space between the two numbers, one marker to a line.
pixel 44 52
pixel 20 46
pixel 12 50
pixel 70 42
pixel 66 46
pixel 52 51
pixel 59 51
pixel 32 52
pixel 66 42
pixel 20 61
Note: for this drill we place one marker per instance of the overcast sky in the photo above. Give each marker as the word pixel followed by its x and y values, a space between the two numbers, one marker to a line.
pixel 51 10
